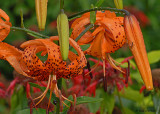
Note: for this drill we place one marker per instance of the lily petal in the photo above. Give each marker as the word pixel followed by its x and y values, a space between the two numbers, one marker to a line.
pixel 4 25
pixel 12 55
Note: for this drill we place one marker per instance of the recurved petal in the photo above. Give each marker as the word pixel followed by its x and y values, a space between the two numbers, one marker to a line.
pixel 54 61
pixel 12 55
pixel 114 33
pixel 95 47
pixel 137 47
pixel 4 15
pixel 76 66
pixel 35 66
pixel 77 29
pixel 86 15
pixel 113 28
pixel 4 25
pixel 86 38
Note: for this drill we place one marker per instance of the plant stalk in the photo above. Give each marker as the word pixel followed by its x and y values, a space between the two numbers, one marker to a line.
pixel 95 9
pixel 38 35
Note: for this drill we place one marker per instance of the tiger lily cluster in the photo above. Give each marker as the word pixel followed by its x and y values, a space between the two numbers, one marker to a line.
pixel 108 34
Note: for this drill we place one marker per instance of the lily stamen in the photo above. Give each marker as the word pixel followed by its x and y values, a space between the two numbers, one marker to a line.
pixel 93 68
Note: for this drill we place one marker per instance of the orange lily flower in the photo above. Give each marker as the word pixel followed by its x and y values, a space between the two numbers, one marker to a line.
pixel 137 47
pixel 27 63
pixel 35 68
pixel 4 25
pixel 108 35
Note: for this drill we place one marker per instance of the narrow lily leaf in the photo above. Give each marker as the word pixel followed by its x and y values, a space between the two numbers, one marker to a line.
pixel 99 3
pixel 82 100
pixel 85 99
pixel 108 102
pixel 34 35
pixel 126 64
pixel 132 94
pixel 154 56
pixel 43 89
pixel 35 111
pixel 37 86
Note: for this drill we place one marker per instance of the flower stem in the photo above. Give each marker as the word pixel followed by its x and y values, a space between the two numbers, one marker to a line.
pixel 61 4
pixel 95 9
pixel 82 33
pixel 30 32
pixel 21 14
pixel 59 84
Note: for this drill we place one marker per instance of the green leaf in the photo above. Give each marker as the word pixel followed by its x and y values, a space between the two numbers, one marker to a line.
pixel 43 89
pixel 18 100
pixel 35 111
pixel 128 111
pixel 14 102
pixel 132 63
pixel 34 35
pixel 108 102
pixel 83 47
pixel 85 99
pixel 37 86
pixel 154 56
pixel 137 77
pixel 81 100
pixel 99 3
pixel 156 101
pixel 132 94
pixel 94 107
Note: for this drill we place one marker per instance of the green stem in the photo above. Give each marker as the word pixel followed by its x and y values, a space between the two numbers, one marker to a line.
pixel 95 9
pixel 83 32
pixel 59 84
pixel 30 32
pixel 61 4
pixel 21 14
pixel 120 101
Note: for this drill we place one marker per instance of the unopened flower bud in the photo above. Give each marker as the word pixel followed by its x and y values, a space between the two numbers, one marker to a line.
pixel 41 12
pixel 137 47
pixel 118 4
pixel 63 33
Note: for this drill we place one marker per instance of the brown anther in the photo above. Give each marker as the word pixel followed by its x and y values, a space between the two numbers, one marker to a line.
pixel 89 68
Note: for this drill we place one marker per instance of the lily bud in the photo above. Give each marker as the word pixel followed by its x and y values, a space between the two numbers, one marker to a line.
pixel 63 33
pixel 41 12
pixel 118 4
pixel 137 47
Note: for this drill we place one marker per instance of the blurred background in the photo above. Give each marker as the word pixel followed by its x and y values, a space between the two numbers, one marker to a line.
pixel 146 11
